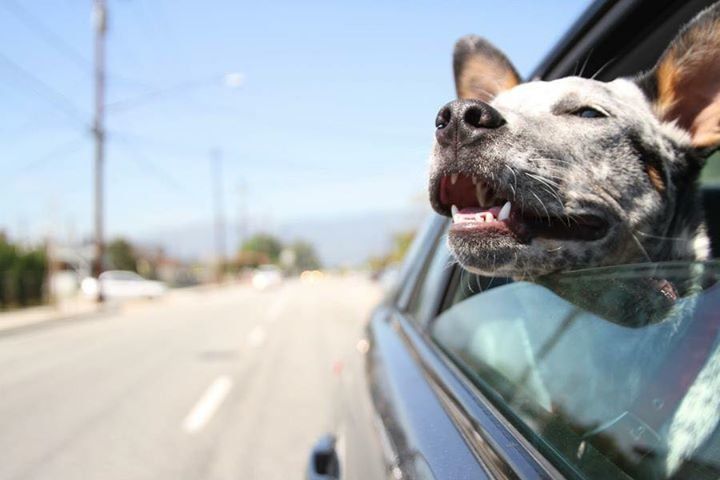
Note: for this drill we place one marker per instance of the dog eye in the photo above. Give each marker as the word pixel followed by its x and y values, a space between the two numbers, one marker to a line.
pixel 588 112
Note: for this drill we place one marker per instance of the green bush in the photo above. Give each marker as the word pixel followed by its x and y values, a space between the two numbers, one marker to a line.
pixel 22 275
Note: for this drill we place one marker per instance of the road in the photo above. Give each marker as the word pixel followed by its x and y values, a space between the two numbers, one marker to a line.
pixel 220 384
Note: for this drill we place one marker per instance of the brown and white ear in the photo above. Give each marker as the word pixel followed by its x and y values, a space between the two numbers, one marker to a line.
pixel 481 70
pixel 685 83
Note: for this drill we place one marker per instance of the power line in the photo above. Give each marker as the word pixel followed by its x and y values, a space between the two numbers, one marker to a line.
pixel 57 42
pixel 59 100
pixel 129 103
pixel 50 37
pixel 62 149
pixel 149 166
pixel 178 149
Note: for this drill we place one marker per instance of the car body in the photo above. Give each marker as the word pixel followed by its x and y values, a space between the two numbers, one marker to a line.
pixel 464 377
pixel 266 276
pixel 122 284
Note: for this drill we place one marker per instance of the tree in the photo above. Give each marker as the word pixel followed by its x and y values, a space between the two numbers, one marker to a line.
pixel 121 255
pixel 22 274
pixel 401 243
pixel 260 248
pixel 305 256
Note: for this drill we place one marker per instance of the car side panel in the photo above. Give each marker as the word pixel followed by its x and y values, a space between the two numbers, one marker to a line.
pixel 423 439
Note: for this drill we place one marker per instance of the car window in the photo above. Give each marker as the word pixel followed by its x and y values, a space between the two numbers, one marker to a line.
pixel 711 172
pixel 466 284
pixel 611 371
pixel 125 276
pixel 413 265
pixel 431 288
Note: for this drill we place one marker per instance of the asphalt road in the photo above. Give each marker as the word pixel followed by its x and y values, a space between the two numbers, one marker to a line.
pixel 224 384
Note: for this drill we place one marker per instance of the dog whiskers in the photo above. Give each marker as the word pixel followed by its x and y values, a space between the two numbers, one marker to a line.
pixel 660 237
pixel 640 247
pixel 582 70
pixel 599 70
pixel 544 207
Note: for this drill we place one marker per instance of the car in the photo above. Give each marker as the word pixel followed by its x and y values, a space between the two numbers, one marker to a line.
pixel 266 276
pixel 122 284
pixel 461 376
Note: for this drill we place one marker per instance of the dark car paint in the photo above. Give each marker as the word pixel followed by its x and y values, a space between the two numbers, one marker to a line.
pixel 422 417
pixel 426 440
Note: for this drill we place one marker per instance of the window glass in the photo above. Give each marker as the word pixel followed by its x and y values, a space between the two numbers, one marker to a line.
pixel 429 292
pixel 421 244
pixel 611 371
pixel 469 284
pixel 711 172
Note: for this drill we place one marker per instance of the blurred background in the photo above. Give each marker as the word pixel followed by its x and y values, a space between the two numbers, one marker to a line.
pixel 201 201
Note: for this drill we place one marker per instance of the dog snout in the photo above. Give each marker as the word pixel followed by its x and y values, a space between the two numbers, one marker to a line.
pixel 465 121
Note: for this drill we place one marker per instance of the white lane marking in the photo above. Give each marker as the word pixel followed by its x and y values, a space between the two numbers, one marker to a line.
pixel 204 409
pixel 276 309
pixel 256 337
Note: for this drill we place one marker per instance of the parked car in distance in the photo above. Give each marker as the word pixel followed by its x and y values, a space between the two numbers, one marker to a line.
pixel 266 276
pixel 121 284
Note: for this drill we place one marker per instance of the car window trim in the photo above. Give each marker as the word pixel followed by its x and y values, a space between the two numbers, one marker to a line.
pixel 440 292
pixel 452 286
pixel 416 274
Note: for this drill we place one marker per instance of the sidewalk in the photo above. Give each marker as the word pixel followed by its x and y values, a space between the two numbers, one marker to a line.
pixel 27 317
pixel 80 307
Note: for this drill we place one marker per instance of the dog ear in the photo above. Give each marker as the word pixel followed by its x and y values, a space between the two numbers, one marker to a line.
pixel 685 84
pixel 481 70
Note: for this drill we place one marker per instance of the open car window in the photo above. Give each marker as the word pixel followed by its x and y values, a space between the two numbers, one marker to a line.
pixel 613 372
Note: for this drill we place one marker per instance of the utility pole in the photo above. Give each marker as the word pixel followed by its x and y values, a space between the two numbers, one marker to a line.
pixel 99 17
pixel 242 221
pixel 216 164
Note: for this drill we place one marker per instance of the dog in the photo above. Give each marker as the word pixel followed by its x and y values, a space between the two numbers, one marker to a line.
pixel 546 177
pixel 541 177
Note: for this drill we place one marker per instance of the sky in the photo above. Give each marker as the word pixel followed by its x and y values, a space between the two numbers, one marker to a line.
pixel 334 116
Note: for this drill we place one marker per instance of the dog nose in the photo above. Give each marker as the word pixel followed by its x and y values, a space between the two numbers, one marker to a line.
pixel 465 121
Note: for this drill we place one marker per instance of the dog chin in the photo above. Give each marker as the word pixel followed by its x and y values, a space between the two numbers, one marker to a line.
pixel 499 256
pixel 488 256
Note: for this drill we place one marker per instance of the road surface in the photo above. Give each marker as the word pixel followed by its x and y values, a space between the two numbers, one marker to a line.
pixel 220 384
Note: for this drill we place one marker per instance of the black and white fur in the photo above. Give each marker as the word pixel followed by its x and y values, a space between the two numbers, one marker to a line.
pixel 633 164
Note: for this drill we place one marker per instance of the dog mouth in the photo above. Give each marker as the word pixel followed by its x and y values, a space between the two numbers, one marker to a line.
pixel 478 206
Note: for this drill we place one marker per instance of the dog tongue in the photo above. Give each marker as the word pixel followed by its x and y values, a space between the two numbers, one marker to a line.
pixel 469 214
pixel 473 210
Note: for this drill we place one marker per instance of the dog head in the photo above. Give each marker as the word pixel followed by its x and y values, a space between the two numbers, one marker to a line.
pixel 571 173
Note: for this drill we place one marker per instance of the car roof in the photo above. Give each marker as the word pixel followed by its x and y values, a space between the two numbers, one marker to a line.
pixel 617 38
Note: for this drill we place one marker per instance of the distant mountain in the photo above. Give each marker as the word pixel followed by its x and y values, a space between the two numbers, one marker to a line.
pixel 343 241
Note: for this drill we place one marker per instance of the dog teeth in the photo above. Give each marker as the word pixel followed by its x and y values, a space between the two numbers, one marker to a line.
pixel 505 211
pixel 484 217
pixel 453 178
pixel 454 210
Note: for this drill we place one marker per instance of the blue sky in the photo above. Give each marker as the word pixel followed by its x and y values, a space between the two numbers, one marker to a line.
pixel 335 115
